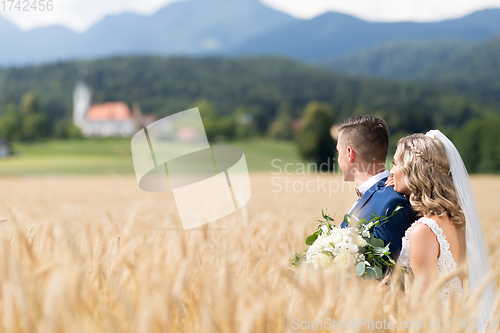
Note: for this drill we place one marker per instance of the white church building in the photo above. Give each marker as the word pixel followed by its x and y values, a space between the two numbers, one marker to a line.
pixel 107 119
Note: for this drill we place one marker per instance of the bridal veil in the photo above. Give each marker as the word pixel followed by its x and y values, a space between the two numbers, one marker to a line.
pixel 478 263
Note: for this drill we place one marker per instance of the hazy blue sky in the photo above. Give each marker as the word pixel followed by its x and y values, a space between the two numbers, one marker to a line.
pixel 80 14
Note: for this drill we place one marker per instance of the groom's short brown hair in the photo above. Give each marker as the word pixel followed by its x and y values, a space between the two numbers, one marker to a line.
pixel 369 137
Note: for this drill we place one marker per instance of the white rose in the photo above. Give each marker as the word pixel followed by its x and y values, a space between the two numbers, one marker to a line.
pixel 347 232
pixel 314 249
pixel 334 237
pixel 344 259
pixel 341 245
pixel 349 235
pixel 352 248
pixel 360 241
pixel 322 260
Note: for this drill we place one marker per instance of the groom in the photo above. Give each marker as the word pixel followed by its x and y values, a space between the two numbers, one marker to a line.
pixel 362 145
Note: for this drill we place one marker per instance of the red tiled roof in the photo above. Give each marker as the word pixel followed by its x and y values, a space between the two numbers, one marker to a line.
pixel 109 111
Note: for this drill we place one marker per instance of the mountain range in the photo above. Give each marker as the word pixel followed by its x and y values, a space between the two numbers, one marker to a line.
pixel 190 27
pixel 469 68
pixel 229 28
pixel 333 34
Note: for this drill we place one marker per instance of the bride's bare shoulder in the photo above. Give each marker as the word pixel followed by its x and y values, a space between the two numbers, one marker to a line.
pixel 422 234
pixel 421 231
pixel 424 244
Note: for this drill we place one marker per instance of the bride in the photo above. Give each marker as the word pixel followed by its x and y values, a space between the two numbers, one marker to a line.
pixel 429 169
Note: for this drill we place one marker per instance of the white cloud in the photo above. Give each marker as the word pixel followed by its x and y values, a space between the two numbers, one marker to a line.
pixel 79 15
pixel 385 10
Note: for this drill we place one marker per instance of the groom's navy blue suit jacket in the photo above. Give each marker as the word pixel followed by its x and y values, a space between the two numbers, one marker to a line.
pixel 378 199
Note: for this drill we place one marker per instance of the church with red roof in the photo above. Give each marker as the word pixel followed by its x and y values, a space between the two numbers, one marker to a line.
pixel 106 119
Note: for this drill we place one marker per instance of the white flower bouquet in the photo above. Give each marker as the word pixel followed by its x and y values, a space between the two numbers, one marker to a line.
pixel 350 247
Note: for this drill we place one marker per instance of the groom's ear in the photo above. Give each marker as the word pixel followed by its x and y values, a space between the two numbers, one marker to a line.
pixel 350 154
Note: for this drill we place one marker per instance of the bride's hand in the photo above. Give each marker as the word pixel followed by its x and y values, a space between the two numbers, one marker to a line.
pixel 390 181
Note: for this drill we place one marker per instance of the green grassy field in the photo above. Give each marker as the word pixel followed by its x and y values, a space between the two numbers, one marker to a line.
pixel 113 156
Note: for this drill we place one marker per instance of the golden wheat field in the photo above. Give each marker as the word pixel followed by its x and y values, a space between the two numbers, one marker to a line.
pixel 97 254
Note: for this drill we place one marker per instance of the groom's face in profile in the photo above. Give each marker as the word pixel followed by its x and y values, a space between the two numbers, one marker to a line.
pixel 344 151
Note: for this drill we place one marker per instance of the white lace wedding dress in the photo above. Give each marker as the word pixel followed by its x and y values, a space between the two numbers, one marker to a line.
pixel 446 263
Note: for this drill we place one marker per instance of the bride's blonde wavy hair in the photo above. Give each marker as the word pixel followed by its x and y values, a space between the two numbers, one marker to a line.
pixel 427 175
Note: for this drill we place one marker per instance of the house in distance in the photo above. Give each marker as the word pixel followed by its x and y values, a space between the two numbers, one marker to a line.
pixel 107 119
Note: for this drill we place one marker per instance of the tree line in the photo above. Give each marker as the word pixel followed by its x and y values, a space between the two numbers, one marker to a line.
pixel 238 97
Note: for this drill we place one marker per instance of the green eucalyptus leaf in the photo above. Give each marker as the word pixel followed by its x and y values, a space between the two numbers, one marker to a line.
pixel 310 240
pixel 375 242
pixel 381 250
pixel 370 274
pixel 378 272
pixel 360 268
pixel 347 219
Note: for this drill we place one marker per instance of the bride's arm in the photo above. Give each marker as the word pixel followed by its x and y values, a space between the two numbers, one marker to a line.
pixel 424 252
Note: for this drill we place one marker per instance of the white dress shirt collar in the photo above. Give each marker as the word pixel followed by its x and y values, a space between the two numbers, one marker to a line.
pixel 372 181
